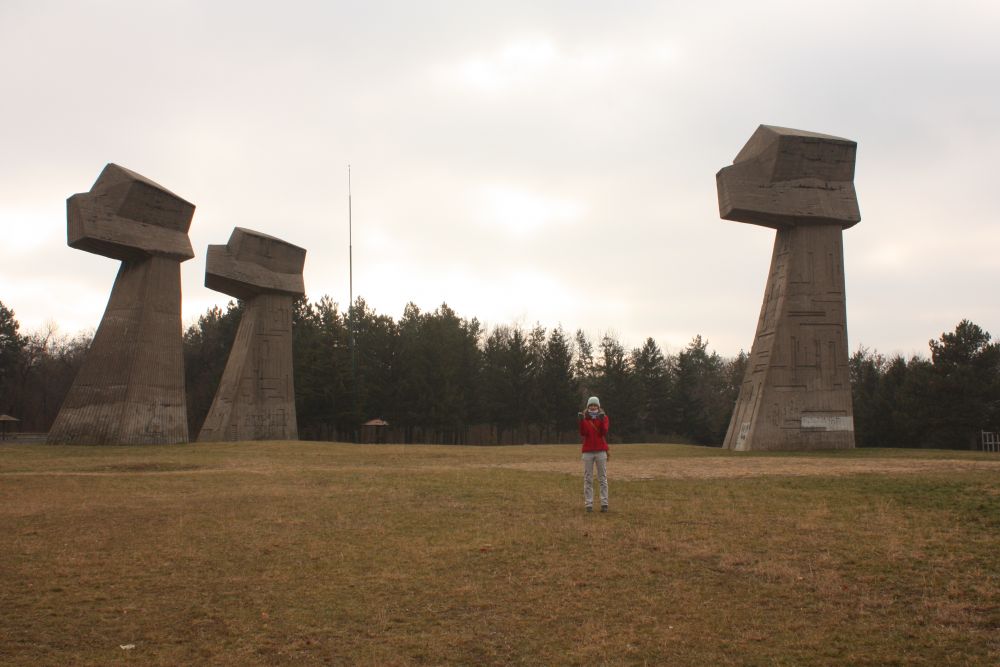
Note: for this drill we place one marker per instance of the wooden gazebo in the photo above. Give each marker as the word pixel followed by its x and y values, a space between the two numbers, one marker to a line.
pixel 375 431
pixel 4 420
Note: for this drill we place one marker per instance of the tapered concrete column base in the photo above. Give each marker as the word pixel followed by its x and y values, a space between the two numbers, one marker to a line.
pixel 256 398
pixel 797 391
pixel 130 389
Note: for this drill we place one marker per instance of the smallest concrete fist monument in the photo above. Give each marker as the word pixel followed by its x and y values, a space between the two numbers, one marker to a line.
pixel 130 389
pixel 797 391
pixel 256 397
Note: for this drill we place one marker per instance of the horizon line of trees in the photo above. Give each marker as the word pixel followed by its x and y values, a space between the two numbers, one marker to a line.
pixel 437 377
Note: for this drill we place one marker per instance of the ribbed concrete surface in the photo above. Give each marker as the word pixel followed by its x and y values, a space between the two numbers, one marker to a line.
pixel 256 397
pixel 130 389
pixel 797 391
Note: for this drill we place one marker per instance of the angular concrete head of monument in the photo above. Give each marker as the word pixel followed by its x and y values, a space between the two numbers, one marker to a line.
pixel 256 397
pixel 129 217
pixel 130 389
pixel 252 263
pixel 796 393
pixel 786 177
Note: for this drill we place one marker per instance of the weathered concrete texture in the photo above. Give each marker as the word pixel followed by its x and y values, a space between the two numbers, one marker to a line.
pixel 129 217
pixel 256 397
pixel 785 177
pixel 130 389
pixel 796 394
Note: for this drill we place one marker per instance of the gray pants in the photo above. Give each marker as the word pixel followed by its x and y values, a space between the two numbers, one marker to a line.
pixel 589 459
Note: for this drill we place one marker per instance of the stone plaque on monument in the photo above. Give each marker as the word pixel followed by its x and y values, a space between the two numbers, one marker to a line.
pixel 796 394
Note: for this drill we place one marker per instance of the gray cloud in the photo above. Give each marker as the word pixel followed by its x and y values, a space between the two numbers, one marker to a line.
pixel 548 162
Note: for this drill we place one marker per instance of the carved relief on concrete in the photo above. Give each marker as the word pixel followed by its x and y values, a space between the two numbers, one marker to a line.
pixel 130 389
pixel 796 394
pixel 256 397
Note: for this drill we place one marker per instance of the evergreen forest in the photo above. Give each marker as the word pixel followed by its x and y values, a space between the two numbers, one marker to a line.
pixel 437 377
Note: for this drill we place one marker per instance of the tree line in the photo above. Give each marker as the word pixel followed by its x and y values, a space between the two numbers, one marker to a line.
pixel 438 377
pixel 941 402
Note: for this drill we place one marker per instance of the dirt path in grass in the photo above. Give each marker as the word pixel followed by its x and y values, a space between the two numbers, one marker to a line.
pixel 714 468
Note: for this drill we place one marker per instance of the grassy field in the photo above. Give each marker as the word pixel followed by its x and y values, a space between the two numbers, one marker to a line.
pixel 315 553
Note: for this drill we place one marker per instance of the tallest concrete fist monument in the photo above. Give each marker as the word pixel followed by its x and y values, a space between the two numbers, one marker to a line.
pixel 796 394
pixel 130 389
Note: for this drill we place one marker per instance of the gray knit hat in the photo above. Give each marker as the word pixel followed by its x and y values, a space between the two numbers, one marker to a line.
pixel 593 400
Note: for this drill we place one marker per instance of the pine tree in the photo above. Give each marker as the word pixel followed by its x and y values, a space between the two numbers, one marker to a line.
pixel 324 391
pixel 703 407
pixel 411 373
pixel 583 366
pixel 653 389
pixel 965 384
pixel 207 343
pixel 557 387
pixel 616 388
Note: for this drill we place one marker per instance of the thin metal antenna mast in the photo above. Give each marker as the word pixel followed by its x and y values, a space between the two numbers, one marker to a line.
pixel 350 279
pixel 350 245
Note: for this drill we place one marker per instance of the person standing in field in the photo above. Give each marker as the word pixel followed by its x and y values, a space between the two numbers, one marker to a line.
pixel 594 430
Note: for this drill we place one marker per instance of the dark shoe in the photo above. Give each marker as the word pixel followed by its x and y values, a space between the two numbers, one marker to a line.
pixel 589 509
pixel 604 508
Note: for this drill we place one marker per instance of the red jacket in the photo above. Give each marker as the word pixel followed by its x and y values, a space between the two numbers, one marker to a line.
pixel 593 432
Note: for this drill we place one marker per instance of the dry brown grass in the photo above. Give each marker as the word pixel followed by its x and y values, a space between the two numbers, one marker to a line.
pixel 310 553
pixel 730 468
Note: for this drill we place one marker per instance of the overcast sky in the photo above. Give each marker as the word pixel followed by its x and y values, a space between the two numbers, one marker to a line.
pixel 524 162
